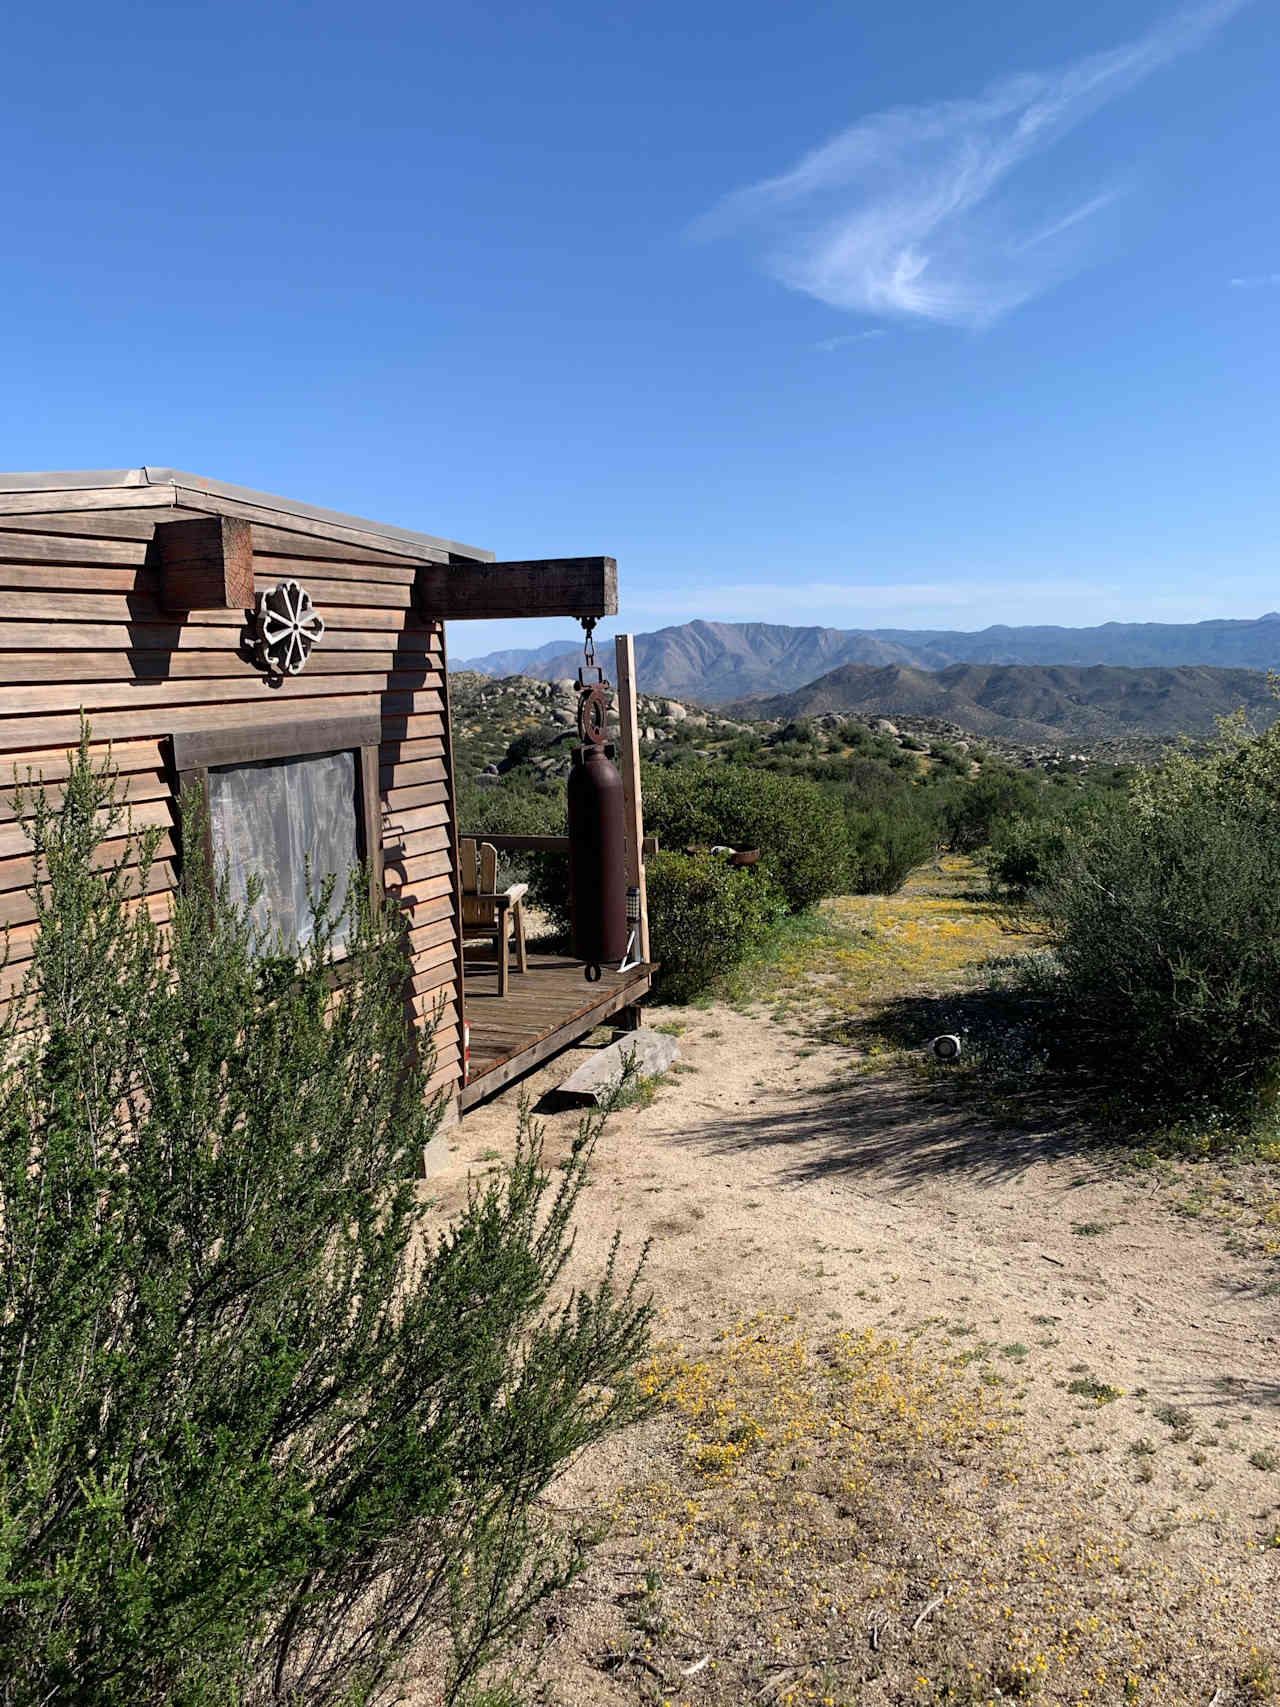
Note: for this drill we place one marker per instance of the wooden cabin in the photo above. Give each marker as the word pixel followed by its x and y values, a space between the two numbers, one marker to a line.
pixel 291 661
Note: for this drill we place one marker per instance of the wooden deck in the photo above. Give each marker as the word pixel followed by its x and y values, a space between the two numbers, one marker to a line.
pixel 545 1010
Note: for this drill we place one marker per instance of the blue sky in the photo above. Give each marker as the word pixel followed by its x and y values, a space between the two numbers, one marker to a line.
pixel 909 315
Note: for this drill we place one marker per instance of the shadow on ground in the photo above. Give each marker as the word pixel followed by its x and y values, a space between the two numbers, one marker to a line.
pixel 1002 1110
pixel 1235 1396
pixel 1005 1026
pixel 891 1124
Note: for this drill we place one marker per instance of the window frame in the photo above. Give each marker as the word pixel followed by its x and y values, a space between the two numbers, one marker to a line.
pixel 197 751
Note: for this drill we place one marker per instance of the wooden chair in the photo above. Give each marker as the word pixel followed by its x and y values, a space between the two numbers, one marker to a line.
pixel 488 912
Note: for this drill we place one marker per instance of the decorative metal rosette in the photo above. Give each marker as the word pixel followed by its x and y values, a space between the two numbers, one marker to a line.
pixel 288 627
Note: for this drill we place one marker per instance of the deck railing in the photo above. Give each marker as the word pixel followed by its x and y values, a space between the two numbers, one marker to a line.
pixel 517 844
pixel 537 844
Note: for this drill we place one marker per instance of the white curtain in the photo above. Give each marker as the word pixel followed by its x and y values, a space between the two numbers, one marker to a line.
pixel 287 821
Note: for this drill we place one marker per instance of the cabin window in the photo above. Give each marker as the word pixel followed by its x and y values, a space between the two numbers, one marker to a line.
pixel 289 806
pixel 292 823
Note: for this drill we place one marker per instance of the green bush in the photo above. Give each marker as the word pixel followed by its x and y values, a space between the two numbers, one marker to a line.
pixel 795 823
pixel 263 1428
pixel 886 845
pixel 1024 853
pixel 1165 920
pixel 1242 770
pixel 705 917
pixel 974 808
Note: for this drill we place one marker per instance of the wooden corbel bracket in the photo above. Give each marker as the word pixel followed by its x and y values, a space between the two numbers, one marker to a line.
pixel 205 563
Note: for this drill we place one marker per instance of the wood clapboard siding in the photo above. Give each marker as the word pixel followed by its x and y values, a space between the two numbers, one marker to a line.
pixel 83 629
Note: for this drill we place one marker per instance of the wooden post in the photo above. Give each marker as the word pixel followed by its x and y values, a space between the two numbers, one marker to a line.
pixel 629 764
pixel 459 965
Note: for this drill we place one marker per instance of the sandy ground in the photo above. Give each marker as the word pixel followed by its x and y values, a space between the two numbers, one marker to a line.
pixel 771 1180
pixel 775 1176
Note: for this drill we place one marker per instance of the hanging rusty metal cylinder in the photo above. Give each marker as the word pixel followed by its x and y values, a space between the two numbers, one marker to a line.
pixel 597 828
pixel 597 860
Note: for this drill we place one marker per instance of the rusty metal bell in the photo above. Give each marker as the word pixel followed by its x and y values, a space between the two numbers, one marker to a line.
pixel 597 863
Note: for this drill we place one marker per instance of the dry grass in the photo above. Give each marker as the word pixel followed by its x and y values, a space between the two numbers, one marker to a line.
pixel 940 933
pixel 843 1520
pixel 878 958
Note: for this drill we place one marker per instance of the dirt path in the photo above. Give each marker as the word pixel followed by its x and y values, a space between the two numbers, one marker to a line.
pixel 770 1179
pixel 1138 1352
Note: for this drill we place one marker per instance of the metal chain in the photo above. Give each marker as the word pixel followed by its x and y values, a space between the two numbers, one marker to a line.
pixel 588 643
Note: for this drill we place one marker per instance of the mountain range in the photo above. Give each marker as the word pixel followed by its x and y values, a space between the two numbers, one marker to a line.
pixel 1032 702
pixel 731 661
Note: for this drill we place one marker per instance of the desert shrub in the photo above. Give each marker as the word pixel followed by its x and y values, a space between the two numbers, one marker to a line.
pixel 705 917
pixel 975 807
pixel 1165 920
pixel 794 822
pixel 949 760
pixel 513 805
pixel 1024 852
pixel 527 745
pixel 885 845
pixel 1241 769
pixel 263 1427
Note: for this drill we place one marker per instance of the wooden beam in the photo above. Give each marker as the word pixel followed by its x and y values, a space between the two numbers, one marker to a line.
pixel 547 586
pixel 629 765
pixel 264 737
pixel 205 564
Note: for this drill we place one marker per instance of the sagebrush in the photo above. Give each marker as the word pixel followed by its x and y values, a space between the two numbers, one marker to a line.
pixel 1164 917
pixel 705 917
pixel 263 1428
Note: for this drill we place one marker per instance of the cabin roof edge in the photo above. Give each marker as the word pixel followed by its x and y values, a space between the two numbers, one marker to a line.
pixel 223 497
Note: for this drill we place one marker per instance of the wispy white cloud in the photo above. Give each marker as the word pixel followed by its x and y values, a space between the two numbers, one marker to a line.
pixel 1065 221
pixel 850 338
pixel 914 211
pixel 1255 281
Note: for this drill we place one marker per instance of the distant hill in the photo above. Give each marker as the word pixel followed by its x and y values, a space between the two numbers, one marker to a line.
pixel 519 660
pixel 718 661
pixel 1031 703
pixel 1251 643
pixel 726 660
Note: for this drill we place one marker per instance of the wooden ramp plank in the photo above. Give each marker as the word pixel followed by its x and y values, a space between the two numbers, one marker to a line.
pixel 546 1009
pixel 642 1051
